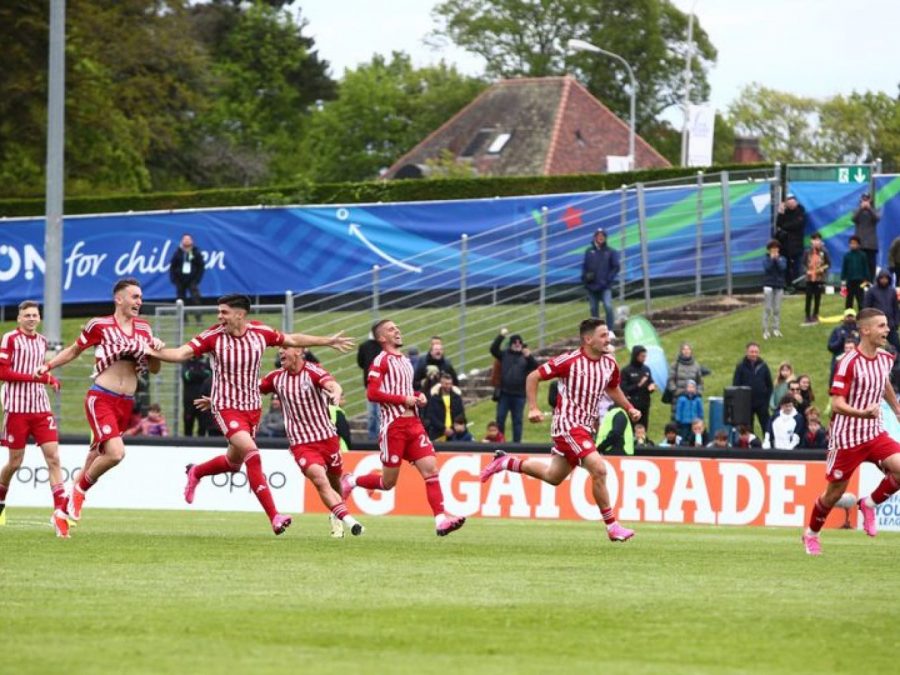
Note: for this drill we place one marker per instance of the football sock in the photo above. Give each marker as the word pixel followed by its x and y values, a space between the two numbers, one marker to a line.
pixel 817 517
pixel 258 483
pixel 371 481
pixel 84 482
pixel 435 495
pixel 3 490
pixel 59 496
pixel 608 517
pixel 885 489
pixel 513 464
pixel 340 510
pixel 215 466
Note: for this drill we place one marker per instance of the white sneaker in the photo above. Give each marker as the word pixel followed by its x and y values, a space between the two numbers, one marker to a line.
pixel 765 335
pixel 337 527
pixel 777 333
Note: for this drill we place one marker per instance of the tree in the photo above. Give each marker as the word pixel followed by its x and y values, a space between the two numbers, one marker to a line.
pixel 857 128
pixel 382 110
pixel 529 37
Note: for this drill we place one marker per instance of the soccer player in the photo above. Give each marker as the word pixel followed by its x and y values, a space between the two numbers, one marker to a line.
pixel 304 389
pixel 236 346
pixel 26 408
pixel 857 432
pixel 401 434
pixel 585 374
pixel 120 342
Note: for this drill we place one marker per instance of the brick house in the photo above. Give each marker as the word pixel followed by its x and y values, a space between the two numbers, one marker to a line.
pixel 530 126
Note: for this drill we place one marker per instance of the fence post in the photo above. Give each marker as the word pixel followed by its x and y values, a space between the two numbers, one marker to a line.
pixel 726 231
pixel 645 253
pixel 463 262
pixel 179 380
pixel 623 242
pixel 287 320
pixel 777 193
pixel 698 271
pixel 375 269
pixel 542 299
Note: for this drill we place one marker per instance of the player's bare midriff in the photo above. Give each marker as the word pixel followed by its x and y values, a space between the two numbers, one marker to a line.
pixel 119 377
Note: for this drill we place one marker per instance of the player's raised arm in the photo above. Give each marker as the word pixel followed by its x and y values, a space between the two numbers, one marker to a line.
pixel 171 354
pixel 338 341
pixel 70 353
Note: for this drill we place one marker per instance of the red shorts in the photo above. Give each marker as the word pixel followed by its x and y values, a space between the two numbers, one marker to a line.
pixel 574 445
pixel 325 453
pixel 232 421
pixel 840 464
pixel 107 414
pixel 18 426
pixel 405 438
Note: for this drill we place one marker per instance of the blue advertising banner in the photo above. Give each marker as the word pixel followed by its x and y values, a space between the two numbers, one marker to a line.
pixel 267 251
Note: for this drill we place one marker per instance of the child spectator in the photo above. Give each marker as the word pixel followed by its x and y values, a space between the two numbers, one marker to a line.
pixel 671 439
pixel 461 431
pixel 816 262
pixel 774 268
pixel 786 428
pixel 688 408
pixel 492 433
pixel 854 273
pixel 746 438
pixel 720 440
pixel 154 424
pixel 697 437
pixel 815 436
pixel 640 437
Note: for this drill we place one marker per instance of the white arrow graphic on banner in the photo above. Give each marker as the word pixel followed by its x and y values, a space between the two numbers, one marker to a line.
pixel 860 175
pixel 354 230
pixel 760 202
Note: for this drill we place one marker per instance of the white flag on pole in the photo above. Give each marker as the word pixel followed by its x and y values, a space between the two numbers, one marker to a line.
pixel 702 120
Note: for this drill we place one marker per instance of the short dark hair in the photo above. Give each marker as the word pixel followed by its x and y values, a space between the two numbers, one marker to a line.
pixel 853 237
pixel 751 344
pixel 588 326
pixel 28 304
pixel 869 313
pixel 773 243
pixel 492 423
pixel 235 301
pixel 460 419
pixel 787 398
pixel 815 235
pixel 377 327
pixel 671 427
pixel 125 283
pixel 446 375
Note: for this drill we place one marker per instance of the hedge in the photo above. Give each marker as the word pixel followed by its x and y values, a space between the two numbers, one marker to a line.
pixel 356 193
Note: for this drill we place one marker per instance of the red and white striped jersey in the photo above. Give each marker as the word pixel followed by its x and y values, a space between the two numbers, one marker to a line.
pixel 582 381
pixel 303 401
pixel 861 381
pixel 235 363
pixel 391 374
pixel 24 354
pixel 112 344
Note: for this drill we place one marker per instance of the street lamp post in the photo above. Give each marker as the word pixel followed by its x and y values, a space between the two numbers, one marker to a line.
pixel 583 46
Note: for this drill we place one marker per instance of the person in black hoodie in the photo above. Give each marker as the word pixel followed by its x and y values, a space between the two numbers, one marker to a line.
pixel 753 372
pixel 637 383
pixel 515 364
pixel 366 353
pixel 790 226
pixel 883 296
pixel 599 270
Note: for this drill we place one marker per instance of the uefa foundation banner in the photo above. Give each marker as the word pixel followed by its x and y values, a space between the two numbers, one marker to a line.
pixel 643 489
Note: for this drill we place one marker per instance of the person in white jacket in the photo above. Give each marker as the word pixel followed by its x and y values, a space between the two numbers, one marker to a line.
pixel 785 428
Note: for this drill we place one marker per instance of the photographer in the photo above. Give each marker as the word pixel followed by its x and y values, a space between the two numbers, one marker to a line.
pixel 789 228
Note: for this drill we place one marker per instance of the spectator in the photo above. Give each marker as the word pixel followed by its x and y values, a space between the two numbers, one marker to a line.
pixel 815 436
pixel 444 406
pixel 746 439
pixel 598 274
pixel 806 393
pixel 616 435
pixel 894 260
pixel 816 262
pixel 785 375
pixel 186 270
pixel 786 428
pixel 515 364
pixel 413 355
pixel 434 357
pixel 795 394
pixel 847 330
pixel 492 433
pixel 683 369
pixel 882 295
pixel 154 424
pixel 671 438
pixel 865 218
pixel 272 423
pixel 697 436
pixel 688 408
pixel 753 372
pixel 461 431
pixel 196 377
pixel 640 437
pixel 431 381
pixel 854 274
pixel 790 226
pixel 637 383
pixel 720 440
pixel 366 353
pixel 339 420
pixel 774 269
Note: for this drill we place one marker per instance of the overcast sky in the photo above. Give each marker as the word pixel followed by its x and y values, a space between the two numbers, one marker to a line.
pixel 809 47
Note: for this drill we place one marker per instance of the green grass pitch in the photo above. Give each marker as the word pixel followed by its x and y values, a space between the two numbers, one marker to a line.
pixel 202 592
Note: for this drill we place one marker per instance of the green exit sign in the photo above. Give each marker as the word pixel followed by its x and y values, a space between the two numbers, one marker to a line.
pixel 852 174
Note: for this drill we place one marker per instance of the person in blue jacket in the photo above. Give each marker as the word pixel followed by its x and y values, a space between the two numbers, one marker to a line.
pixel 598 274
pixel 688 408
